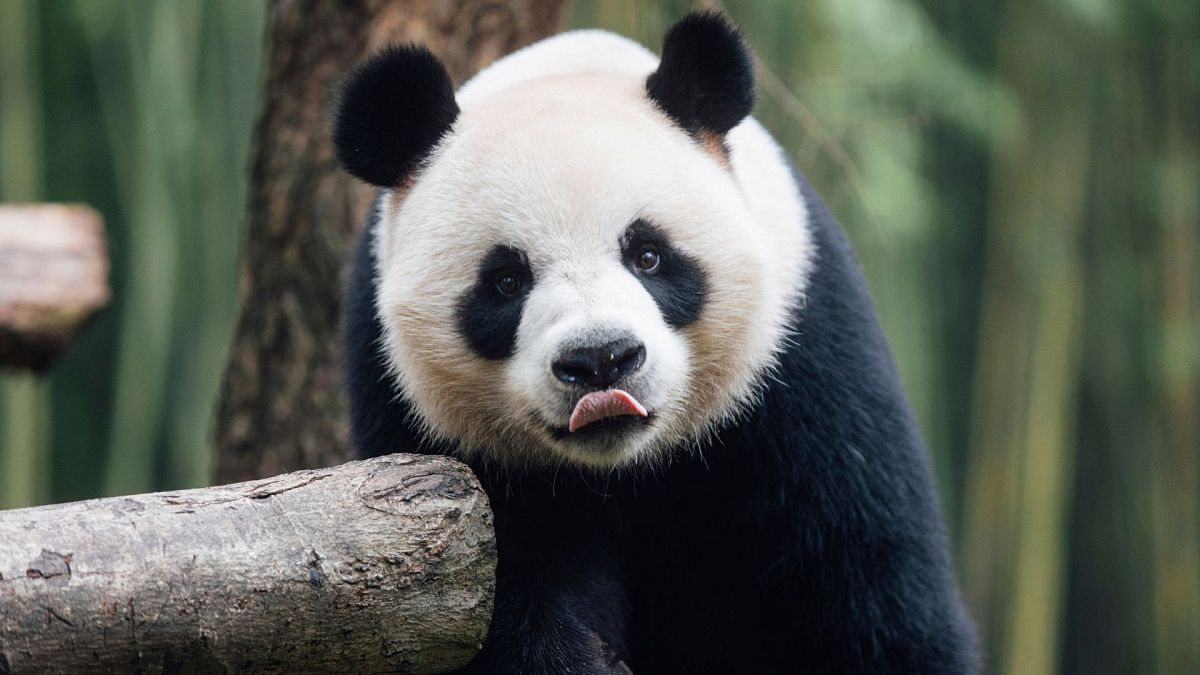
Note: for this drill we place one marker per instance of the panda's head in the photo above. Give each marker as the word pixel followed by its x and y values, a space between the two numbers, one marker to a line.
pixel 566 267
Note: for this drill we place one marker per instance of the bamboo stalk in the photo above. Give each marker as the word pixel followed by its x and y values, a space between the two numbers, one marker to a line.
pixel 136 74
pixel 25 447
pixel 1175 482
pixel 1028 363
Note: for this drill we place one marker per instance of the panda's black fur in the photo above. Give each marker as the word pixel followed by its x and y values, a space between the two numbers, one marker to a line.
pixel 804 538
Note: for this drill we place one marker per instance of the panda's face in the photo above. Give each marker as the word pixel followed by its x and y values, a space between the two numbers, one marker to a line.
pixel 573 277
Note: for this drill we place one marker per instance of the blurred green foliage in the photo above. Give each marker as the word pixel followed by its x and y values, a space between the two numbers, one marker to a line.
pixel 142 109
pixel 1021 180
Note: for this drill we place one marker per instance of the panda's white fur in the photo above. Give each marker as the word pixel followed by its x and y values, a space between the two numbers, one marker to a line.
pixel 516 170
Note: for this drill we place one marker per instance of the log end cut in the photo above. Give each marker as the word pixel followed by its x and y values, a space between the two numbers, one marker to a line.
pixel 53 277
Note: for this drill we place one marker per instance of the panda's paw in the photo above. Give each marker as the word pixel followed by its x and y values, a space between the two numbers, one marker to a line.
pixel 616 665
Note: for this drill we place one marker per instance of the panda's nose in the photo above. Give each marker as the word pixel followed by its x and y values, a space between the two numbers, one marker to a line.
pixel 600 367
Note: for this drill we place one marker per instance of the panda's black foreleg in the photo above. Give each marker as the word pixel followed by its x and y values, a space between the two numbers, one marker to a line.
pixel 560 598
pixel 540 632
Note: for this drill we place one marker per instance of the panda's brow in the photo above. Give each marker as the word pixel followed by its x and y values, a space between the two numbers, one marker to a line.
pixel 642 229
pixel 502 256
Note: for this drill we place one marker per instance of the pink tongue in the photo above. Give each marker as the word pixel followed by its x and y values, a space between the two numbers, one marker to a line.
pixel 601 404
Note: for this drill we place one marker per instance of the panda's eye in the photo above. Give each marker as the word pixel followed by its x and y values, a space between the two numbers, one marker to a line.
pixel 648 258
pixel 508 284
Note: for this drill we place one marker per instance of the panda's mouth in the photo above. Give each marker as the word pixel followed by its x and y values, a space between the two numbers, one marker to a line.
pixel 602 405
pixel 609 427
pixel 603 413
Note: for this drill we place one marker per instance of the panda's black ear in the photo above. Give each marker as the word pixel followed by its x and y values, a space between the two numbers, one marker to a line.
pixel 705 80
pixel 391 112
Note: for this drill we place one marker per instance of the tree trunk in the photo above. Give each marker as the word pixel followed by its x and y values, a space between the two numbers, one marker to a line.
pixel 385 565
pixel 282 405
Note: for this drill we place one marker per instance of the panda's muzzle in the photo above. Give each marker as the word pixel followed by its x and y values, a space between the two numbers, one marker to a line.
pixel 600 369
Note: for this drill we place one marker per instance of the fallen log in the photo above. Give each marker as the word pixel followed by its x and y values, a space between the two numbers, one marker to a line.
pixel 384 565
pixel 53 277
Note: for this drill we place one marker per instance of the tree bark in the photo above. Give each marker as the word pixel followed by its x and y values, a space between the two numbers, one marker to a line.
pixel 282 405
pixel 385 565
pixel 53 277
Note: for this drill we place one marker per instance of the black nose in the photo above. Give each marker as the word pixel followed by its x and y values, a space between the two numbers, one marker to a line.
pixel 600 367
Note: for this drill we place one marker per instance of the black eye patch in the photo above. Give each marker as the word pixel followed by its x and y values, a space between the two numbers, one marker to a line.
pixel 489 313
pixel 677 282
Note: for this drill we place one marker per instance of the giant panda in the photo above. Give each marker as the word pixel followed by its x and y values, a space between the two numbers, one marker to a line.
pixel 593 277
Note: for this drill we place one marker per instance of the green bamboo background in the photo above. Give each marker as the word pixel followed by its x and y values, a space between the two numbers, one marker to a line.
pixel 1021 180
